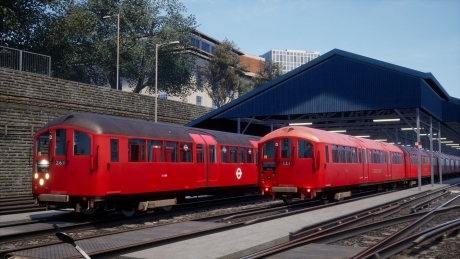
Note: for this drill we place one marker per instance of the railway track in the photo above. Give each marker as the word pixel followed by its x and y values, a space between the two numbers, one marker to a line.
pixel 379 232
pixel 19 204
pixel 150 233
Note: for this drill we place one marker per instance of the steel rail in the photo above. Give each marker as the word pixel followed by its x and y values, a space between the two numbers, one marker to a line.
pixel 351 219
pixel 423 204
pixel 415 240
pixel 404 232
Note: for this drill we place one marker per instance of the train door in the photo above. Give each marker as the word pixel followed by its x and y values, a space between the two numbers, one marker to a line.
pixel 365 166
pixel 212 168
pixel 362 160
pixel 79 181
pixel 59 164
pixel 201 167
pixel 284 158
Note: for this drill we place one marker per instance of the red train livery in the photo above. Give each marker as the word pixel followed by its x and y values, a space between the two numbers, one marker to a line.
pixel 301 162
pixel 90 161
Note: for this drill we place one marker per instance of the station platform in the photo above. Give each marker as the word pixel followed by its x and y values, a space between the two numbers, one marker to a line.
pixel 238 242
pixel 33 215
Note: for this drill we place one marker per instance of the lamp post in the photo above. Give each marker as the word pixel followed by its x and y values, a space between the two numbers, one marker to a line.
pixel 156 74
pixel 118 46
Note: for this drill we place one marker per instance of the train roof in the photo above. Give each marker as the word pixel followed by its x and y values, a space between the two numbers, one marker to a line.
pixel 111 125
pixel 321 136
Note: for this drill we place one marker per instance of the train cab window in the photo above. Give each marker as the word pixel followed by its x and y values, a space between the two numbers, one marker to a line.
pixel 81 144
pixel 136 150
pixel 212 154
pixel 327 153
pixel 242 154
pixel 43 144
pixel 233 155
pixel 224 154
pixel 268 149
pixel 335 154
pixel 59 142
pixel 342 154
pixel 285 148
pixel 154 151
pixel 185 152
pixel 171 152
pixel 250 156
pixel 199 153
pixel 257 156
pixel 114 150
pixel 305 149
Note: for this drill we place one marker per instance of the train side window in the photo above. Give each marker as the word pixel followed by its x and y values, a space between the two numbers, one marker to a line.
pixel 326 147
pixel 353 155
pixel 185 152
pixel 285 148
pixel 257 156
pixel 341 154
pixel 114 150
pixel 212 154
pixel 136 150
pixel 233 155
pixel 224 154
pixel 360 156
pixel 268 149
pixel 171 152
pixel 335 154
pixel 154 151
pixel 81 144
pixel 364 156
pixel 199 153
pixel 60 140
pixel 242 155
pixel 371 153
pixel 250 156
pixel 43 144
pixel 347 154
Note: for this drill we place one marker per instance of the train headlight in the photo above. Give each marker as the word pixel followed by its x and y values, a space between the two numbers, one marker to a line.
pixel 47 176
pixel 44 162
pixel 42 182
pixel 36 176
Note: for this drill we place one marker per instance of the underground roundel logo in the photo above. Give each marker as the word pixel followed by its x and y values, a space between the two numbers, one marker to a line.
pixel 238 173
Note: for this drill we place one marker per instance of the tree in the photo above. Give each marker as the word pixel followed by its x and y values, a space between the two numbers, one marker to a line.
pixel 221 75
pixel 84 45
pixel 24 24
pixel 268 71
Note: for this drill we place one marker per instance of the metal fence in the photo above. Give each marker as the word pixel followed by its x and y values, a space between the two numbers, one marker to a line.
pixel 25 61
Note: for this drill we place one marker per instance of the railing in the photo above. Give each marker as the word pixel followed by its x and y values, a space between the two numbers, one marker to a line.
pixel 25 61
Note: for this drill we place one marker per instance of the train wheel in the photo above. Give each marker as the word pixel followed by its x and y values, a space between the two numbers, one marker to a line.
pixel 166 208
pixel 127 210
pixel 127 213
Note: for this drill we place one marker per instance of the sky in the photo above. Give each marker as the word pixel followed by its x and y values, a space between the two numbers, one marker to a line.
pixel 422 35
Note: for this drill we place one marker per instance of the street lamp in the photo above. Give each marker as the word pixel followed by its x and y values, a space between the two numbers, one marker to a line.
pixel 156 74
pixel 118 46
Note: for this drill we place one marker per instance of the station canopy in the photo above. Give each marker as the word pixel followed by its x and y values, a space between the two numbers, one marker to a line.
pixel 350 94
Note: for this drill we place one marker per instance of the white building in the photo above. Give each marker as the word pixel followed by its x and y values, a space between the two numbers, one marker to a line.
pixel 204 49
pixel 290 59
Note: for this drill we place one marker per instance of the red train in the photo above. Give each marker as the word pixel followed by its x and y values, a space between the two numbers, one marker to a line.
pixel 301 162
pixel 90 161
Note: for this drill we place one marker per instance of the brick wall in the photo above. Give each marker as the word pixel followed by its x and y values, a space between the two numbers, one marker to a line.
pixel 27 101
